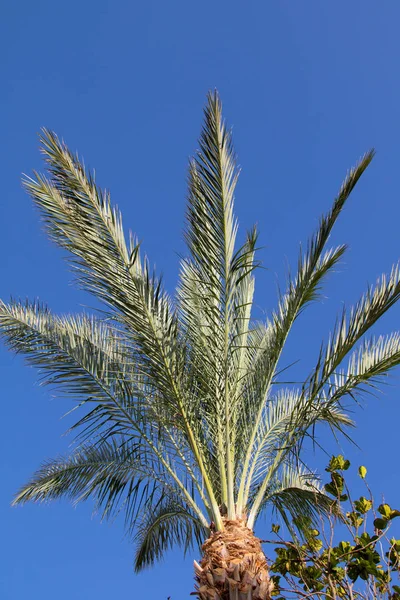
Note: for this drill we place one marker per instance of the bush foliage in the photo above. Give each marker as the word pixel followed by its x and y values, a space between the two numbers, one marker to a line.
pixel 364 563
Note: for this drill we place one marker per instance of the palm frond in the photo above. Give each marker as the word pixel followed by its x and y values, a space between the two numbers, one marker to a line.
pixel 84 356
pixel 313 266
pixel 297 496
pixel 211 225
pixel 211 234
pixel 80 218
pixel 110 472
pixel 280 433
pixel 351 328
pixel 80 354
pixel 314 404
pixel 375 357
pixel 165 525
pixel 367 365
pixel 242 302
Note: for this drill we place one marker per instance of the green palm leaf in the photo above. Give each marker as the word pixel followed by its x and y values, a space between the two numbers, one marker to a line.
pixel 109 472
pixel 296 495
pixel 167 524
pixel 84 357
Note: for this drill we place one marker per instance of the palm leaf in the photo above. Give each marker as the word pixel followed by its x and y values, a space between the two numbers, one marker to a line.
pixel 211 234
pixel 165 525
pixel 350 329
pixel 109 472
pixel 80 354
pixel 85 356
pixel 80 218
pixel 313 266
pixel 297 496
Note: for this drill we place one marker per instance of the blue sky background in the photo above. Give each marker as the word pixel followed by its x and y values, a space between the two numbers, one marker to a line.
pixel 309 86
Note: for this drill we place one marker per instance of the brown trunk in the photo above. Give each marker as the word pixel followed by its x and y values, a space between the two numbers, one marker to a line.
pixel 233 567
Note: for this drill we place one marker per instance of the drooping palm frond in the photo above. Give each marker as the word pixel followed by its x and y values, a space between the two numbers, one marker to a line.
pixel 297 496
pixel 167 524
pixel 114 476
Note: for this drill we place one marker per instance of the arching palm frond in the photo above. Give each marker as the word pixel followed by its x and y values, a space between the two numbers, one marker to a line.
pixel 313 266
pixel 366 366
pixel 80 218
pixel 83 355
pixel 109 472
pixel 350 329
pixel 113 475
pixel 87 358
pixel 283 428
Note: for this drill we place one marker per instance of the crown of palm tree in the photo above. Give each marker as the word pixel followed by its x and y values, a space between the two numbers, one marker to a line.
pixel 182 424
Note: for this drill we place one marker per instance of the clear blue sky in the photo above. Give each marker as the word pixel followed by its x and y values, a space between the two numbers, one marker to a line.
pixel 309 86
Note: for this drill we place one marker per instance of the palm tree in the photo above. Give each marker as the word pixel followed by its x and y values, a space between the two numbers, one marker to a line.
pixel 185 428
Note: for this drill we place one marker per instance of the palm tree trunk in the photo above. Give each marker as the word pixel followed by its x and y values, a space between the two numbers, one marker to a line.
pixel 233 566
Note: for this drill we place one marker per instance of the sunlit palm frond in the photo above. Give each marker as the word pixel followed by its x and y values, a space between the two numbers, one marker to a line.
pixel 375 357
pixel 367 365
pixel 244 263
pixel 80 218
pixel 211 234
pixel 110 472
pixel 350 328
pixel 282 429
pixel 84 356
pixel 80 355
pixel 313 266
pixel 211 225
pixel 312 404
